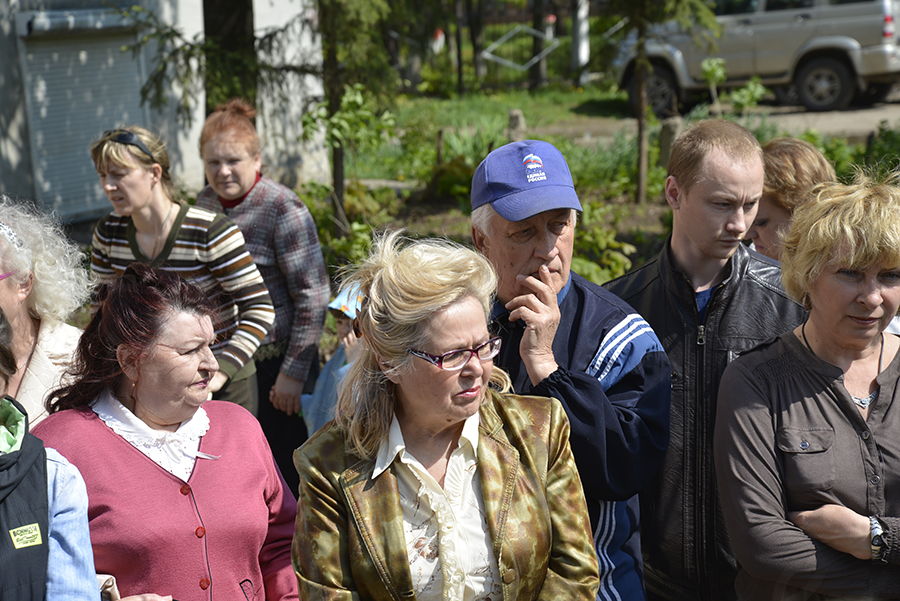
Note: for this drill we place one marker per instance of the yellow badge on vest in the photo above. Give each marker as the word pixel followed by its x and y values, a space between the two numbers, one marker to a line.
pixel 26 536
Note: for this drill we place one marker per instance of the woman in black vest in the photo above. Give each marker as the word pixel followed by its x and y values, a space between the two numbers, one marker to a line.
pixel 43 507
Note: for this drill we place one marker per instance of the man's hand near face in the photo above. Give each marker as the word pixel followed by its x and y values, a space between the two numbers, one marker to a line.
pixel 540 312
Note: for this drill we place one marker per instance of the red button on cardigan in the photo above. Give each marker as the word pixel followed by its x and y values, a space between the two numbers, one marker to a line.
pixel 200 531
pixel 204 584
pixel 186 489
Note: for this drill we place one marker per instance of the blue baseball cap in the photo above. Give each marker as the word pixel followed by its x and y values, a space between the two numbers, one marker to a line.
pixel 347 302
pixel 523 179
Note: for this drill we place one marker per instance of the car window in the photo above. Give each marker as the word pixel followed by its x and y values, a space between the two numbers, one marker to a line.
pixel 788 4
pixel 735 7
pixel 833 2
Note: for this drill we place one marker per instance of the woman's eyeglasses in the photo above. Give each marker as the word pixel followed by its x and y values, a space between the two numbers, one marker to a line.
pixel 123 136
pixel 455 360
pixel 3 276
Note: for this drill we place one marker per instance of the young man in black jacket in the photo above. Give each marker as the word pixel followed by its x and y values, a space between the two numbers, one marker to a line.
pixel 708 298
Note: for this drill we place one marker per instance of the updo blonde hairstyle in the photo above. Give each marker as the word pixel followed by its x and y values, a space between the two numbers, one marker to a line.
pixel 861 221
pixel 403 283
pixel 233 118
pixel 106 151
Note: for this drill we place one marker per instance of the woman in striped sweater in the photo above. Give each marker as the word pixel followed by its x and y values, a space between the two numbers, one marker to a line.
pixel 149 224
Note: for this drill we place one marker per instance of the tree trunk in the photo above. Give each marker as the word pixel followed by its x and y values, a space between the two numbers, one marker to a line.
pixel 581 45
pixel 331 79
pixel 229 24
pixel 459 61
pixel 475 17
pixel 538 72
pixel 642 65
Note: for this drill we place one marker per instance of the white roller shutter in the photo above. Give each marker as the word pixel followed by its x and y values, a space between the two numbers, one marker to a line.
pixel 78 86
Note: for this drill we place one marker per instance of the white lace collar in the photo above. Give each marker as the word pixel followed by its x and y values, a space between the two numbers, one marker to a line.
pixel 173 451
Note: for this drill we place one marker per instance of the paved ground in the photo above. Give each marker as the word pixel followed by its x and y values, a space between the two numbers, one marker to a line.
pixel 854 123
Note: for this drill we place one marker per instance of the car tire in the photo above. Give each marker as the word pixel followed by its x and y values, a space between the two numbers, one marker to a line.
pixel 662 92
pixel 874 93
pixel 824 84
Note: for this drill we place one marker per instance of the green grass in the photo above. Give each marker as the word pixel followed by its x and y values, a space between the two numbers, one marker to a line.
pixel 472 124
pixel 542 108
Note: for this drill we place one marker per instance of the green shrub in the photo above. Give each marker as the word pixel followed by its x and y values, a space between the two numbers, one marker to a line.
pixel 840 153
pixel 747 96
pixel 883 149
pixel 337 252
pixel 598 256
pixel 610 169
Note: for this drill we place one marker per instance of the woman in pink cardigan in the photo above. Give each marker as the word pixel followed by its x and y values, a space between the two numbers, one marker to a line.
pixel 185 500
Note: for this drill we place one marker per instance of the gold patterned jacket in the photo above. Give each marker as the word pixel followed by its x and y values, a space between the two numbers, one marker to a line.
pixel 349 541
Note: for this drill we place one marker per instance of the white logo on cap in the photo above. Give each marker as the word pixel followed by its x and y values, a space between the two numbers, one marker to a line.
pixel 534 168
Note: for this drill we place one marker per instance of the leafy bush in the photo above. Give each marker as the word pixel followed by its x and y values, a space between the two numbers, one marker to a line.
pixel 839 152
pixel 883 148
pixel 598 256
pixel 747 96
pixel 336 251
pixel 357 126
pixel 452 179
pixel 475 140
pixel 611 169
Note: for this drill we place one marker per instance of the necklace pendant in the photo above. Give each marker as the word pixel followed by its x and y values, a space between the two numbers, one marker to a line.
pixel 864 402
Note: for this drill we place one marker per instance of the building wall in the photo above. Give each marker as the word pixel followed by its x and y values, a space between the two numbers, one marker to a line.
pixel 284 157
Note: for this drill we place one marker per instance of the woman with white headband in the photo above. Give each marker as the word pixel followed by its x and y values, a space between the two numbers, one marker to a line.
pixel 42 283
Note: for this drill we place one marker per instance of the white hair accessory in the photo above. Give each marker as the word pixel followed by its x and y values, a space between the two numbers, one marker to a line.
pixel 10 234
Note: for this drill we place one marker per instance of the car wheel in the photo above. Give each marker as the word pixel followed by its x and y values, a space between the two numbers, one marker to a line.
pixel 662 92
pixel 824 84
pixel 876 92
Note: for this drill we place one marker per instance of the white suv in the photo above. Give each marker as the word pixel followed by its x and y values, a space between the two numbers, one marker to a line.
pixel 831 51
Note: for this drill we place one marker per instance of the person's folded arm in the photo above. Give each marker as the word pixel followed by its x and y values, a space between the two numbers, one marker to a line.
pixel 751 489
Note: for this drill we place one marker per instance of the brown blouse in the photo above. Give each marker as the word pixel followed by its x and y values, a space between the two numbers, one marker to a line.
pixel 788 438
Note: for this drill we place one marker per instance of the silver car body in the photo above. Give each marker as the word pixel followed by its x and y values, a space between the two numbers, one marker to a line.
pixel 775 40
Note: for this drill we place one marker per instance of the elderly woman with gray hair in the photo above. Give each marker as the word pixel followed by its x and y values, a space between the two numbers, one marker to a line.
pixel 433 482
pixel 806 438
pixel 42 283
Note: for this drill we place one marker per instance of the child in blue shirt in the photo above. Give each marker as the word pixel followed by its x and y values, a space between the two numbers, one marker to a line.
pixel 318 407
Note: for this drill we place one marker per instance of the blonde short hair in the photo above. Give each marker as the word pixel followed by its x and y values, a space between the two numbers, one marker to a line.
pixel 793 167
pixel 697 141
pixel 403 283
pixel 859 220
pixel 106 151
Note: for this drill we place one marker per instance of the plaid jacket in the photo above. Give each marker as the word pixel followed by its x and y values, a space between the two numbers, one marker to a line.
pixel 208 250
pixel 349 541
pixel 282 238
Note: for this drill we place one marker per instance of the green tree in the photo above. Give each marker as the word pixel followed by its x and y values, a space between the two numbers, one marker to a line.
pixel 350 54
pixel 642 15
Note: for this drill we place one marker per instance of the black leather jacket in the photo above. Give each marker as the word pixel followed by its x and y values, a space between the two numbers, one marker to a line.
pixel 686 550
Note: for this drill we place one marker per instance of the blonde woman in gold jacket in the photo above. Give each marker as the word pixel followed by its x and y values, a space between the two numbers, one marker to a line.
pixel 433 482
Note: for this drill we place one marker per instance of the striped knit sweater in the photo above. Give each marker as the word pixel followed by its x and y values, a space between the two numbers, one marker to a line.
pixel 208 250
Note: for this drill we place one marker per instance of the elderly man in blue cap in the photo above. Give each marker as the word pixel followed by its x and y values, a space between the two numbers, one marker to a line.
pixel 567 338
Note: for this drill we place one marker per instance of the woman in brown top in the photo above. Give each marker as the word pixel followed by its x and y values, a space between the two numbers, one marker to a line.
pixel 806 438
